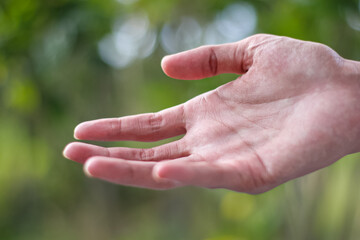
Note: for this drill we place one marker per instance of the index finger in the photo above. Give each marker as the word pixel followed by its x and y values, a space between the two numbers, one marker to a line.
pixel 143 127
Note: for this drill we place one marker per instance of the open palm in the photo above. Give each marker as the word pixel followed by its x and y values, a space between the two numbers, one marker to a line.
pixel 293 110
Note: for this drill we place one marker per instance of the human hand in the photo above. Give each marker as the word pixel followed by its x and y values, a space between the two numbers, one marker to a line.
pixel 294 109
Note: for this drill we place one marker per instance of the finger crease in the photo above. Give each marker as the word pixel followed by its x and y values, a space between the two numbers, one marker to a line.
pixel 147 154
pixel 213 62
pixel 107 152
pixel 155 122
pixel 116 127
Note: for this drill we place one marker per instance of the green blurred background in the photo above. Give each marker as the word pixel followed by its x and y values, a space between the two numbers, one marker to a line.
pixel 67 61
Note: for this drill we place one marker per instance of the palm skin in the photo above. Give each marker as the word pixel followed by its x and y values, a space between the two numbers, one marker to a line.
pixel 293 110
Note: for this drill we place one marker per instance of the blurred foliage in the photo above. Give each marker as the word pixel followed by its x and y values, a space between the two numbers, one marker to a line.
pixel 52 77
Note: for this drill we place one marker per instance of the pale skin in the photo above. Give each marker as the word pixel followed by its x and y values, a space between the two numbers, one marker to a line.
pixel 294 109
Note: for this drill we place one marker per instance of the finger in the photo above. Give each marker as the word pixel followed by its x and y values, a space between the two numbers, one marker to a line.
pixel 191 171
pixel 144 127
pixel 80 152
pixel 199 172
pixel 212 60
pixel 129 173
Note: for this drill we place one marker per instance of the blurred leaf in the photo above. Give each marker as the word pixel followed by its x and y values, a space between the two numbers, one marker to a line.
pixel 226 238
pixel 237 207
pixel 22 96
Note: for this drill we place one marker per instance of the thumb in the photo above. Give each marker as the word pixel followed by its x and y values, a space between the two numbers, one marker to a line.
pixel 207 61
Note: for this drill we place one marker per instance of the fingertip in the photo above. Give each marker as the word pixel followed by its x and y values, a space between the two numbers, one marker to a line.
pixel 180 66
pixel 68 151
pixel 84 130
pixel 163 60
pixel 164 65
pixel 94 129
pixel 187 65
pixel 90 166
pixel 77 131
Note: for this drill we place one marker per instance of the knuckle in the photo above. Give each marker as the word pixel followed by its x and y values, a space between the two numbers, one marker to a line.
pixel 182 113
pixel 155 121
pixel 146 154
pixel 259 37
pixel 116 126
pixel 329 54
pixel 177 148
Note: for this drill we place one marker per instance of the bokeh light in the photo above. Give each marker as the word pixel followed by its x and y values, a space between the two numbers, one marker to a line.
pixel 131 39
pixel 234 23
pixel 353 17
pixel 127 1
pixel 185 36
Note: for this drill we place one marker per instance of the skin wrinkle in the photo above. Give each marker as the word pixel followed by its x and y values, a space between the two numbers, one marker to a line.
pixel 146 154
pixel 213 62
pixel 107 152
pixel 259 159
pixel 175 150
pixel 116 129
pixel 155 122
pixel 248 145
pixel 253 122
pixel 244 63
pixel 247 119
pixel 184 120
pixel 246 180
pixel 238 101
pixel 233 129
pixel 184 150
